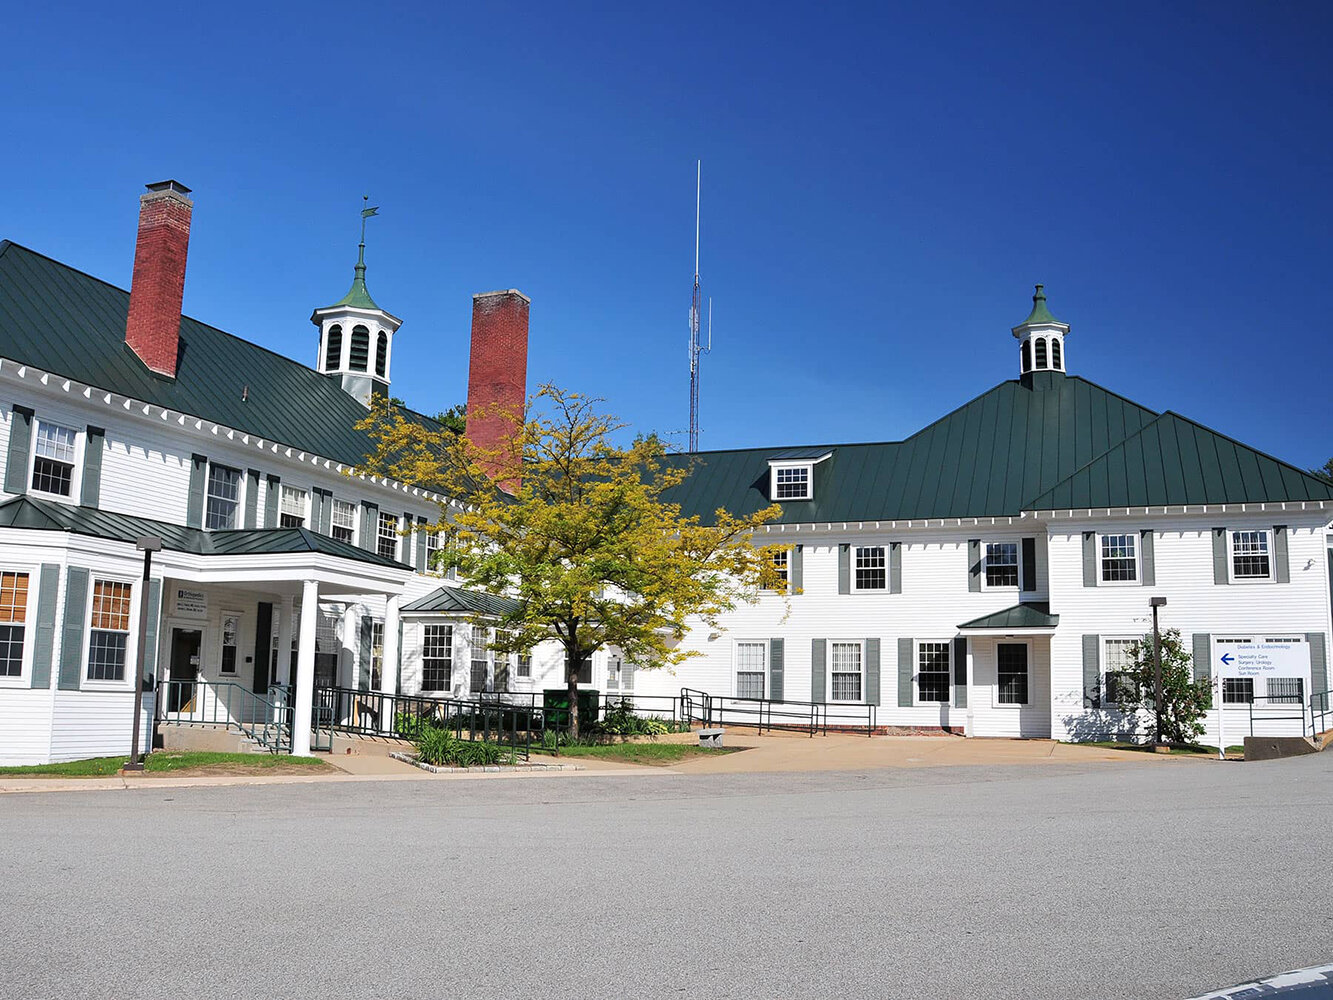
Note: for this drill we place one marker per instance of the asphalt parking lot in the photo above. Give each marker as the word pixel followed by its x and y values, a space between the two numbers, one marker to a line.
pixel 1152 880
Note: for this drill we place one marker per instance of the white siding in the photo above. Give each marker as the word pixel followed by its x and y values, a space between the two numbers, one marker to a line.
pixel 97 724
pixel 25 726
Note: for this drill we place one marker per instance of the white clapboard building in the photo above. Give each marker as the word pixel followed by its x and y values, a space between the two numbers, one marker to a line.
pixel 984 575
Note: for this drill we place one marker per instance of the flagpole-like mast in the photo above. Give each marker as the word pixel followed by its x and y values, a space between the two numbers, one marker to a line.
pixel 697 349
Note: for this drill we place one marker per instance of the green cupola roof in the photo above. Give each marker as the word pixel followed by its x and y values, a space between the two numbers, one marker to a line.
pixel 358 297
pixel 1040 314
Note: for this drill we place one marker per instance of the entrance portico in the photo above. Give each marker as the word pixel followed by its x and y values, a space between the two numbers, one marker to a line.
pixel 1009 672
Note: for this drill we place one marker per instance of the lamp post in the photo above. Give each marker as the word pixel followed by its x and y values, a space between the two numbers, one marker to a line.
pixel 148 544
pixel 1155 603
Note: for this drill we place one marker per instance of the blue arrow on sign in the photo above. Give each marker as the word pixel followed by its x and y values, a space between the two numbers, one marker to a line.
pixel 1227 658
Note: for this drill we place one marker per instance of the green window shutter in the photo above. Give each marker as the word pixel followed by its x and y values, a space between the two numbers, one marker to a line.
pixel 872 671
pixel 905 673
pixel 1147 558
pixel 974 565
pixel 960 672
pixel 272 487
pixel 1089 558
pixel 421 545
pixel 818 650
pixel 405 553
pixel 1318 663
pixel 1092 671
pixel 326 513
pixel 252 500
pixel 1281 559
pixel 776 687
pixel 363 662
pixel 1220 574
pixel 1029 546
pixel 844 569
pixel 370 525
pixel 796 570
pixel 153 607
pixel 194 510
pixel 71 635
pixel 263 645
pixel 895 568
pixel 20 442
pixel 45 641
pixel 94 444
pixel 1203 652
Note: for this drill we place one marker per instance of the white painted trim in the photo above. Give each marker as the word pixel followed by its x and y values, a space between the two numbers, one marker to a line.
pixel 1005 706
pixel 1017 543
pixel 916 672
pixel 735 663
pixel 828 666
pixel 1138 559
pixel 851 558
pixel 24 677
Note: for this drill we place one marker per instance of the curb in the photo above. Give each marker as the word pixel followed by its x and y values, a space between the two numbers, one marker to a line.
pixel 485 768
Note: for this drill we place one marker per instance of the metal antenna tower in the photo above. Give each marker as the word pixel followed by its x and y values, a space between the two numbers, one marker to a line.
pixel 697 348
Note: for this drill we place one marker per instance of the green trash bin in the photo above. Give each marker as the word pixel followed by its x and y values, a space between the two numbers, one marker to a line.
pixel 555 707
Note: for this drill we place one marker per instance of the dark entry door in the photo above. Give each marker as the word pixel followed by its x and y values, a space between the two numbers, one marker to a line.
pixel 185 646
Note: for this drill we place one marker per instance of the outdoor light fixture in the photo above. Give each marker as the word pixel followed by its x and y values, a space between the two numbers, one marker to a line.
pixel 1155 603
pixel 148 544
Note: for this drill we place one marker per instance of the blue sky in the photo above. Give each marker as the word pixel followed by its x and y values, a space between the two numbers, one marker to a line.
pixel 882 187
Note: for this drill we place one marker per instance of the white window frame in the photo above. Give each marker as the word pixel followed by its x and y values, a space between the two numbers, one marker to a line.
pixel 380 535
pixel 985 564
pixel 333 518
pixel 285 490
pixel 23 677
pixel 131 640
pixel 783 568
pixel 450 630
pixel 807 467
pixel 736 665
pixel 487 637
pixel 222 643
pixel 1012 705
pixel 1137 539
pixel 861 656
pixel 1231 556
pixel 76 473
pixel 240 494
pixel 855 556
pixel 916 672
pixel 1105 661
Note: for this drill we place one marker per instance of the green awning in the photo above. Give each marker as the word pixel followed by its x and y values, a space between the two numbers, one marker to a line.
pixel 456 600
pixel 1026 616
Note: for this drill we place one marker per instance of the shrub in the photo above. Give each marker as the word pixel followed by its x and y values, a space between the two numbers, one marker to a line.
pixel 621 720
pixel 441 748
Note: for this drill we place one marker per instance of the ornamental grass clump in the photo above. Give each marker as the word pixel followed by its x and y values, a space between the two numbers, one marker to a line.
pixel 440 748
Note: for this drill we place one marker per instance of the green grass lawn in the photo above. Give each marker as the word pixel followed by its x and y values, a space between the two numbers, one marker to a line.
pixel 168 761
pixel 651 754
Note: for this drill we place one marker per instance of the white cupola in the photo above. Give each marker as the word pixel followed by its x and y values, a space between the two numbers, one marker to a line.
pixel 1042 340
pixel 356 335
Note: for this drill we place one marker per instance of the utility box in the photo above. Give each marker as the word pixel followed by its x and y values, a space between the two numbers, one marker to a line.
pixel 555 707
pixel 710 737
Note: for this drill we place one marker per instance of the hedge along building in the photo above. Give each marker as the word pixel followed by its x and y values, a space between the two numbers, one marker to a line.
pixel 122 419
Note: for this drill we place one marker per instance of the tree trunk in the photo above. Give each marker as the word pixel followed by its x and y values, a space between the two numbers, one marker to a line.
pixel 573 681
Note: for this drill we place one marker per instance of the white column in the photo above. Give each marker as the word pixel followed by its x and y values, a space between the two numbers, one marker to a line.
pixel 285 640
pixel 389 666
pixel 969 726
pixel 304 688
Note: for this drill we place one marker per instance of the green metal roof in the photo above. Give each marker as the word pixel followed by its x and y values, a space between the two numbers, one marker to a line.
pixel 460 601
pixel 1030 614
pixel 1040 314
pixel 70 324
pixel 1174 460
pixel 358 297
pixel 46 515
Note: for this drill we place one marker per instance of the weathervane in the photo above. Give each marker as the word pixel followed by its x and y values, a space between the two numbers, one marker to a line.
pixel 366 213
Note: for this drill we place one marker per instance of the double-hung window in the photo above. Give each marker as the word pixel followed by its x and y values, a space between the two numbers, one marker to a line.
pixel 231 629
pixel 54 459
pixel 386 541
pixel 781 562
pixel 750 669
pixel 1237 690
pixel 437 657
pixel 13 622
pixel 292 507
pixel 871 568
pixel 1119 658
pixel 224 497
pixel 481 660
pixel 376 654
pixel 1001 564
pixel 432 550
pixel 791 482
pixel 1120 558
pixel 343 522
pixel 845 671
pixel 1011 661
pixel 932 676
pixel 1249 555
pixel 524 667
pixel 109 631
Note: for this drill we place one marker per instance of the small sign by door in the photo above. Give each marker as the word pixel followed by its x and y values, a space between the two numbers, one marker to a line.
pixel 191 603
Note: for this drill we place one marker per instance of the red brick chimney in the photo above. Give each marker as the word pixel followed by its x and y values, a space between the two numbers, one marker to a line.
pixel 154 325
pixel 497 372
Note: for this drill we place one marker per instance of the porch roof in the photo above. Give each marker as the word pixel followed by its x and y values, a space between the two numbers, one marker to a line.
pixel 460 601
pixel 1026 616
pixel 47 515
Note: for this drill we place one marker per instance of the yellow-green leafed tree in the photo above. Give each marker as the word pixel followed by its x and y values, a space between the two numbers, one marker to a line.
pixel 579 530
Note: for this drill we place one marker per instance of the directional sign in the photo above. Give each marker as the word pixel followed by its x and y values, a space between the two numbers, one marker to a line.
pixel 1262 658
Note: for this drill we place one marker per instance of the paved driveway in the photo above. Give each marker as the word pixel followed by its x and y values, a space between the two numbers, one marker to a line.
pixel 1061 880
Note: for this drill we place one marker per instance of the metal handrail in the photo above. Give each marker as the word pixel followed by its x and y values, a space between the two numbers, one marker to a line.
pixel 812 716
pixel 1319 707
pixel 1277 699
pixel 228 704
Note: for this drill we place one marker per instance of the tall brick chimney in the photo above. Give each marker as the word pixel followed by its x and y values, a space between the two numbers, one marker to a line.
pixel 497 373
pixel 154 325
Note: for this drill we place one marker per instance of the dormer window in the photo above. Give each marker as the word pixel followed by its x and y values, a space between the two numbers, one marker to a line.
pixel 791 482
